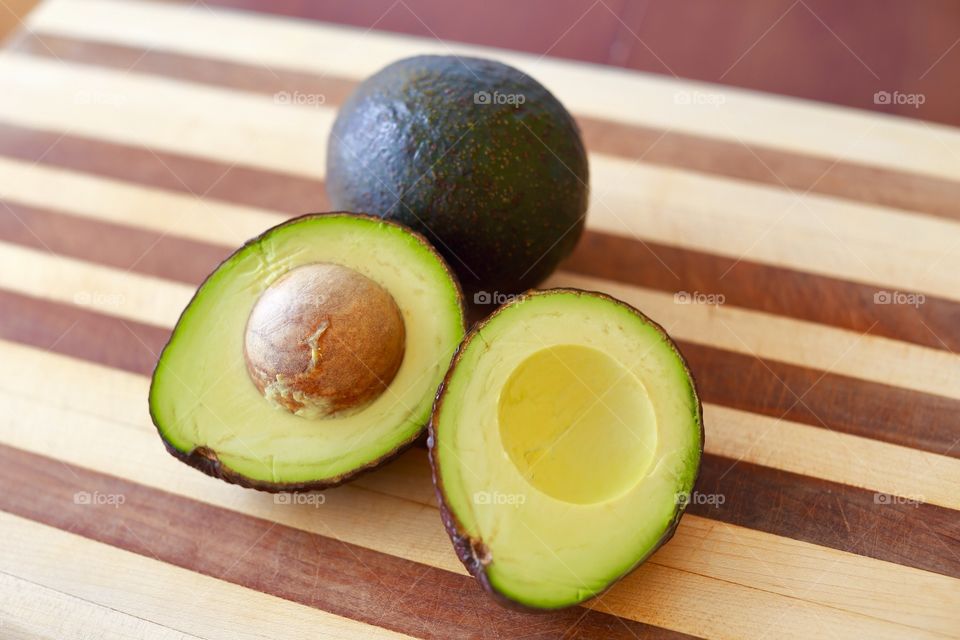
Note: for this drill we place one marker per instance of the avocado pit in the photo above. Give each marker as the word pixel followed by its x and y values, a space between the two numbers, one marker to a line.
pixel 323 340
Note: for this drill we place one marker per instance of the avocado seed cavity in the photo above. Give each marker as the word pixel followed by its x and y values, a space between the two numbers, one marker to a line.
pixel 323 341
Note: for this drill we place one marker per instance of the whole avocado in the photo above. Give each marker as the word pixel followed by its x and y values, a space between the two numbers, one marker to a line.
pixel 475 155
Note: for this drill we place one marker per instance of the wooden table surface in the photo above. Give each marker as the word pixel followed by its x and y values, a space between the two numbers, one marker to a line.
pixel 817 250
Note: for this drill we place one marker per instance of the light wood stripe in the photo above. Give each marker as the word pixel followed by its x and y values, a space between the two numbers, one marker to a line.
pixel 306 568
pixel 614 94
pixel 177 172
pixel 151 253
pixel 739 435
pixel 159 302
pixel 854 406
pixel 813 233
pixel 901 531
pixel 131 296
pixel 715 580
pixel 742 581
pixel 309 569
pixel 793 341
pixel 821 299
pixel 104 199
pixel 29 611
pixel 248 128
pixel 831 455
pixel 736 160
pixel 786 292
pixel 157 593
pixel 79 332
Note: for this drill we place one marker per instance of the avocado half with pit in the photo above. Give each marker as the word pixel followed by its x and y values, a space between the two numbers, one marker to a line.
pixel 312 353
pixel 565 442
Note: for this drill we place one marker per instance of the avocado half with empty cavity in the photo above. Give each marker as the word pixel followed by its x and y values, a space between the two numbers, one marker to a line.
pixel 565 441
pixel 309 355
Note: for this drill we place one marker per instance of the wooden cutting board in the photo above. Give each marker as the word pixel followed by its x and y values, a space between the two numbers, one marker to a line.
pixel 806 258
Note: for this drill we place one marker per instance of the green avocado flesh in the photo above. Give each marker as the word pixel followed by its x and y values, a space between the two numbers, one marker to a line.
pixel 565 438
pixel 209 411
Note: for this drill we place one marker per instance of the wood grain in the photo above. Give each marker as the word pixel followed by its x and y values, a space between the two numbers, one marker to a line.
pixel 141 142
pixel 734 219
pixel 780 46
pixel 170 171
pixel 156 301
pixel 34 612
pixel 755 163
pixel 651 594
pixel 779 390
pixel 752 493
pixel 153 593
pixel 257 40
pixel 817 298
pixel 358 583
pixel 859 355
pixel 841 458
pixel 151 300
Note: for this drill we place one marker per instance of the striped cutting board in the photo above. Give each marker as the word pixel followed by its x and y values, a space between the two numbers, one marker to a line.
pixel 140 142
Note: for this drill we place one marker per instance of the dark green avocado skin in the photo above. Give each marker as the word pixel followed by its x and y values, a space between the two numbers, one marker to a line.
pixel 500 189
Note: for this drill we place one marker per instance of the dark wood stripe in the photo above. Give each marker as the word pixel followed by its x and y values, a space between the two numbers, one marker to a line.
pixel 847 518
pixel 171 171
pixel 126 248
pixel 80 333
pixel 170 64
pixel 883 412
pixel 796 171
pixel 849 405
pixel 752 285
pixel 310 569
pixel 833 515
pixel 754 163
pixel 757 497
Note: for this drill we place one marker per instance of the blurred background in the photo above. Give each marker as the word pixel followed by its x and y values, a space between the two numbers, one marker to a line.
pixel 894 56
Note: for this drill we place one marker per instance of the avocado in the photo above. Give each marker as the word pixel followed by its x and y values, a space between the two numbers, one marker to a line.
pixel 310 354
pixel 565 441
pixel 475 155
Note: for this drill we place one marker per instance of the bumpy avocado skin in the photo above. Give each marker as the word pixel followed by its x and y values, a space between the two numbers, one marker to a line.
pixel 438 144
